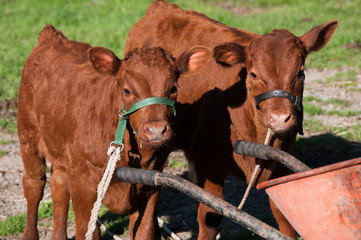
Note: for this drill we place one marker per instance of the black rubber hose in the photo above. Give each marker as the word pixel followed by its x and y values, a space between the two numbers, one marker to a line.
pixel 155 178
pixel 269 153
pixel 136 175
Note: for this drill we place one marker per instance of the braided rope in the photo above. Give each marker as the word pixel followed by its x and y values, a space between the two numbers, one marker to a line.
pixel 250 184
pixel 103 185
pixel 114 154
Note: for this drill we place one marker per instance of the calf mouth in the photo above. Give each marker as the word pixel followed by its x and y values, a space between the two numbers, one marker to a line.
pixel 153 143
pixel 283 131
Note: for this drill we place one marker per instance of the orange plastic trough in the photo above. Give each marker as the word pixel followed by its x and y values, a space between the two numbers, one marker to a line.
pixel 323 203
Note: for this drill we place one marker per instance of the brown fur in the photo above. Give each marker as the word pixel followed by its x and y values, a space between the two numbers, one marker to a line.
pixel 217 106
pixel 69 98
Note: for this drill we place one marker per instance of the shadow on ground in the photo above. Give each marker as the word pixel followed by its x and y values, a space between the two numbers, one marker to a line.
pixel 315 151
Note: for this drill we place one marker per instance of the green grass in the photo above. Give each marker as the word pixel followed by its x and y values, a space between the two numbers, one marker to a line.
pixel 16 224
pixel 6 141
pixel 343 79
pixel 115 223
pixel 345 113
pixel 311 99
pixel 176 164
pixel 322 141
pixel 314 126
pixel 13 225
pixel 311 109
pixel 3 153
pixel 352 133
pixel 106 23
pixel 335 101
pixel 118 224
pixel 8 124
pixel 338 102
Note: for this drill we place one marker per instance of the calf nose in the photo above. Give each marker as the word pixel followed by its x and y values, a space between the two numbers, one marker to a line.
pixel 156 131
pixel 280 120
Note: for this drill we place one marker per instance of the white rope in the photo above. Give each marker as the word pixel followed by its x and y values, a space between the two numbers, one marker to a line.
pixel 114 154
pixel 250 184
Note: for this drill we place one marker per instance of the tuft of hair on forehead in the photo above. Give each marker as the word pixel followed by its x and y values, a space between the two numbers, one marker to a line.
pixel 283 39
pixel 151 57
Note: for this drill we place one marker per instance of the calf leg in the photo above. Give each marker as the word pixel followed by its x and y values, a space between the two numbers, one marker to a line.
pixel 143 222
pixel 208 219
pixel 83 200
pixel 33 181
pixel 283 224
pixel 61 197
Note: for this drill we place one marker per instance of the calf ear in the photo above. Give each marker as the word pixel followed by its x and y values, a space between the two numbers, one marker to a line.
pixel 318 37
pixel 229 54
pixel 194 60
pixel 104 60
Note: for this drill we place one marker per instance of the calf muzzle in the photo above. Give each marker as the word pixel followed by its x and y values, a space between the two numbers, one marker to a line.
pixel 296 100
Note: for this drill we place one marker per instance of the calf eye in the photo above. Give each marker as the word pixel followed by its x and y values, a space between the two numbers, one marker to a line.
pixel 253 75
pixel 126 91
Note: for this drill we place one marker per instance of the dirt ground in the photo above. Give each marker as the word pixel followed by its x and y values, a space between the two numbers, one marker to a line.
pixel 317 149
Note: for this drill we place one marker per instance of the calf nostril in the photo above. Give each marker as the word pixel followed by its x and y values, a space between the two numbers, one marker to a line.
pixel 288 118
pixel 164 130
pixel 156 130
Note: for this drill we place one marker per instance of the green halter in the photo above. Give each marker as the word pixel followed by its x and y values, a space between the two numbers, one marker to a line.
pixel 136 106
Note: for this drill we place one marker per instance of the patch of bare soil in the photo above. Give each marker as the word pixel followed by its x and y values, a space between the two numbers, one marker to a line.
pixel 179 211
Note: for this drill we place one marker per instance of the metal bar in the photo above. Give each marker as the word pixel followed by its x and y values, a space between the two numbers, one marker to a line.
pixel 269 153
pixel 155 178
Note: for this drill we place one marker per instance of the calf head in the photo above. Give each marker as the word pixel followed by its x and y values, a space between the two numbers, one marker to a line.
pixel 147 73
pixel 275 67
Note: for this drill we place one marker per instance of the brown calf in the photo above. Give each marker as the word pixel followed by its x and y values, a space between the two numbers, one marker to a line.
pixel 69 98
pixel 218 106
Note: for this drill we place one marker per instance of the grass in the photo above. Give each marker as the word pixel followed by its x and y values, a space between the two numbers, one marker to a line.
pixel 115 223
pixel 8 124
pixel 311 99
pixel 335 101
pixel 338 102
pixel 106 23
pixel 176 164
pixel 118 224
pixel 346 113
pixel 13 225
pixel 343 79
pixel 314 126
pixel 352 133
pixel 6 141
pixel 3 153
pixel 322 141
pixel 311 109
pixel 16 224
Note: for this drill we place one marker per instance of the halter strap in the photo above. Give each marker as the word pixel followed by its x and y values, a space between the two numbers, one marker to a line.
pixel 279 93
pixel 284 94
pixel 124 115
